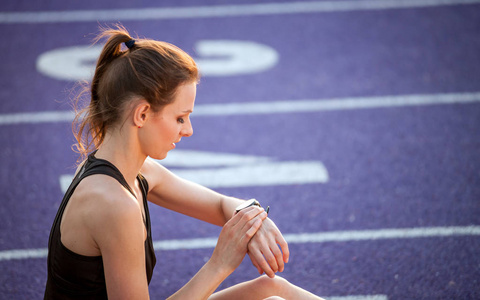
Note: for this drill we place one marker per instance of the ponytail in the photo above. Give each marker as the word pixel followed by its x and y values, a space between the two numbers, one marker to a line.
pixel 149 69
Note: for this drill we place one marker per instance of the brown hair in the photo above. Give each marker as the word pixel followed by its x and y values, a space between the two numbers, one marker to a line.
pixel 149 69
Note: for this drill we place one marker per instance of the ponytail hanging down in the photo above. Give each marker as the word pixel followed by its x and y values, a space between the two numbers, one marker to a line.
pixel 146 69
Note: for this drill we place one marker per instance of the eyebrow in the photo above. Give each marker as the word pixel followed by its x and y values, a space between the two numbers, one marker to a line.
pixel 188 111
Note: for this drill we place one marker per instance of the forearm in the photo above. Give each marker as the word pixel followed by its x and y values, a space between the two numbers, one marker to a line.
pixel 226 257
pixel 203 284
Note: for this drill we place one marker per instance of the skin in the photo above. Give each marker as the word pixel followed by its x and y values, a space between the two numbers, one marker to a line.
pixel 103 218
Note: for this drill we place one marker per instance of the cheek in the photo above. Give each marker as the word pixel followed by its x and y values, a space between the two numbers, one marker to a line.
pixel 172 130
pixel 166 132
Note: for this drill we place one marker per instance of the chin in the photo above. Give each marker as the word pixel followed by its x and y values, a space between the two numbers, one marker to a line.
pixel 159 156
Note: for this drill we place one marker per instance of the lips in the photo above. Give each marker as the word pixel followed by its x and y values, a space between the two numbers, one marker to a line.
pixel 173 144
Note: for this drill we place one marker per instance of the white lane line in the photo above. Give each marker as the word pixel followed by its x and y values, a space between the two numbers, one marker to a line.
pixel 292 106
pixel 292 238
pixel 333 104
pixel 215 11
pixel 23 254
pixel 37 117
pixel 380 234
pixel 366 297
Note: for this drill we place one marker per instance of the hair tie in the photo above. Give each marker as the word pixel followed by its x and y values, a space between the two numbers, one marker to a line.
pixel 130 43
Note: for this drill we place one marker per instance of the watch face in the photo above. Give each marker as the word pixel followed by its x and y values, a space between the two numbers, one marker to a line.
pixel 246 204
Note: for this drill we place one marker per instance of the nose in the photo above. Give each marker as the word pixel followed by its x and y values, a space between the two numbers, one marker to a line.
pixel 187 130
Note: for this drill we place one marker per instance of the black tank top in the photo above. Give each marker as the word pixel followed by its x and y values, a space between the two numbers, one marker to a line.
pixel 74 276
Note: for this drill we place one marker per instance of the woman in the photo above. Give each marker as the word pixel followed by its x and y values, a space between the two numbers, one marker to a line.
pixel 100 244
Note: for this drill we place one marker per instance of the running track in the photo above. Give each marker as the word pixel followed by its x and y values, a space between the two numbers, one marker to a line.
pixel 356 121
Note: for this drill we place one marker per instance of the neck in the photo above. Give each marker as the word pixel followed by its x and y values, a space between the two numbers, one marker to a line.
pixel 121 149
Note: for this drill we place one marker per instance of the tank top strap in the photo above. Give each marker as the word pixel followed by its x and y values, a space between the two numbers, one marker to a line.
pixel 90 167
pixel 144 187
pixel 150 258
pixel 95 165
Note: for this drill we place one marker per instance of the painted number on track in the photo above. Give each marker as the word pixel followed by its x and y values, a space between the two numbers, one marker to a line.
pixel 214 58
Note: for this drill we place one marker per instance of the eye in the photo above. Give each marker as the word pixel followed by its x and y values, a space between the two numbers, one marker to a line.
pixel 180 120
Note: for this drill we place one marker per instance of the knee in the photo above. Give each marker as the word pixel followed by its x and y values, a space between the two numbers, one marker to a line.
pixel 274 285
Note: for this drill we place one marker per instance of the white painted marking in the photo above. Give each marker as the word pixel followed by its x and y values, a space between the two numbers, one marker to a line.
pixel 69 63
pixel 37 117
pixel 292 238
pixel 65 181
pixel 215 58
pixel 359 297
pixel 200 243
pixel 333 104
pixel 228 58
pixel 293 106
pixel 240 171
pixel 193 159
pixel 23 254
pixel 360 235
pixel 278 173
pixel 215 11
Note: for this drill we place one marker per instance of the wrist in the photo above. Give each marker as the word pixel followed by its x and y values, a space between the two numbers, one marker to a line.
pixel 220 269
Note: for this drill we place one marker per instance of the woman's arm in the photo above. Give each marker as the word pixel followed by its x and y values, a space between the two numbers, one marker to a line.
pixel 186 197
pixel 227 256
pixel 116 226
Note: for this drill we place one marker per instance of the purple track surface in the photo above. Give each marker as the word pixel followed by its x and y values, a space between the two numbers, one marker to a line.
pixel 389 167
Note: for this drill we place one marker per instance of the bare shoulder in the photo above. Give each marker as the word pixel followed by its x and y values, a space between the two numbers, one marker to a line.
pixel 100 208
pixel 111 225
pixel 105 202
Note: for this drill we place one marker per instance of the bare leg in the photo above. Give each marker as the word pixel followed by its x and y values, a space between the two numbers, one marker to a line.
pixel 262 288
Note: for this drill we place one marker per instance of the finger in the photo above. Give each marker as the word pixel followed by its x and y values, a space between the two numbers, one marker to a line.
pixel 262 263
pixel 246 215
pixel 284 246
pixel 278 256
pixel 271 260
pixel 255 264
pixel 252 229
pixel 260 271
pixel 250 222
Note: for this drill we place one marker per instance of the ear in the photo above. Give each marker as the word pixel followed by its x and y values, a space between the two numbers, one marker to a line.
pixel 141 113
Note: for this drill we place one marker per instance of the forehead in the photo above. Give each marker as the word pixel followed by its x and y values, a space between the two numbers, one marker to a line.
pixel 184 99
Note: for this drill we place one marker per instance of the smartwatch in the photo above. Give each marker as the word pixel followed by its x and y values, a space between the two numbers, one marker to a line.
pixel 248 203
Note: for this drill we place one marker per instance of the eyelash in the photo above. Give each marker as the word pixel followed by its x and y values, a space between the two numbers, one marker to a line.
pixel 180 120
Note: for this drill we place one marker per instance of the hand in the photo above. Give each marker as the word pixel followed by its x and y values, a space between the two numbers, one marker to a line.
pixel 235 236
pixel 264 250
